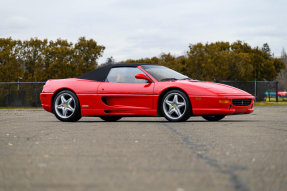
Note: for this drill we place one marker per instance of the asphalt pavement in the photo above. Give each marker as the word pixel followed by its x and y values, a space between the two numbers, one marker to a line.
pixel 242 152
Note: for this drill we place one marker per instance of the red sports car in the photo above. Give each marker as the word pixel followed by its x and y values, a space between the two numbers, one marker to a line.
pixel 121 90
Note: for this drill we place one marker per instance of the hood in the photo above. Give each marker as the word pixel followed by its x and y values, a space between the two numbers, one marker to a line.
pixel 216 88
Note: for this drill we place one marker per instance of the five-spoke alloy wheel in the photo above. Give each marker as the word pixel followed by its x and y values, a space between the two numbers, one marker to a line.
pixel 176 106
pixel 66 106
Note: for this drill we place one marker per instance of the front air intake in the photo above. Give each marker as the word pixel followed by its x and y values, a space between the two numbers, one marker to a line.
pixel 241 102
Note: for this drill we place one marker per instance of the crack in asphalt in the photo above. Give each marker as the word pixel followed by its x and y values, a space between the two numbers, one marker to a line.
pixel 279 129
pixel 230 170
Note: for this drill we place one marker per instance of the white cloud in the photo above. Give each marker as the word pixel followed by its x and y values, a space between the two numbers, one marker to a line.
pixel 145 28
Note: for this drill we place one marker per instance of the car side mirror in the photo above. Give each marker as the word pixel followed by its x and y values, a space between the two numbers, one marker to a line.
pixel 143 77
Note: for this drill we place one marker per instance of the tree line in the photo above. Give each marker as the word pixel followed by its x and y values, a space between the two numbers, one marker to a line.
pixel 221 61
pixel 40 60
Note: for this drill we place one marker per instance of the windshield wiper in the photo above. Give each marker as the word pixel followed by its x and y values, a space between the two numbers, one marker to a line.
pixel 186 79
pixel 168 79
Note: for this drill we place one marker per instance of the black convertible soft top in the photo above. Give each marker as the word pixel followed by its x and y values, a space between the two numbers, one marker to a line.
pixel 100 74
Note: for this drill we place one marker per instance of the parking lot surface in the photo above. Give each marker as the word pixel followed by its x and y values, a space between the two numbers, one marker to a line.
pixel 243 152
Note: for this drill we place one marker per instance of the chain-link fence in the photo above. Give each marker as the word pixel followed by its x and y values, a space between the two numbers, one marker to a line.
pixel 20 94
pixel 27 94
pixel 261 90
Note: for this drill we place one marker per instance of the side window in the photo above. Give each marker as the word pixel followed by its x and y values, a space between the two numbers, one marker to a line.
pixel 124 75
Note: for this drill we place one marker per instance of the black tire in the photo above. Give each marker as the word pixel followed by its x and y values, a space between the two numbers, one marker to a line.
pixel 110 118
pixel 213 117
pixel 59 105
pixel 180 112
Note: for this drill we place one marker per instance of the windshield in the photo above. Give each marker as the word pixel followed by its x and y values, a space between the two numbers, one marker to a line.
pixel 162 73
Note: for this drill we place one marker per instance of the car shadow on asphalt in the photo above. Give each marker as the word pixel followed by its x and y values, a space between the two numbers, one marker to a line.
pixel 144 121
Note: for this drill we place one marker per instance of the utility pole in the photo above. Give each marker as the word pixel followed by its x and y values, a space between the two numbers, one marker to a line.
pixel 36 94
pixel 255 91
pixel 19 78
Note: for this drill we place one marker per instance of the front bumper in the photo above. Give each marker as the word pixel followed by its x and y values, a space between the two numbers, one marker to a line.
pixel 210 105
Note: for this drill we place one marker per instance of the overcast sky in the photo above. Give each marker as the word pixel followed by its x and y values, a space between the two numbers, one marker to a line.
pixel 133 29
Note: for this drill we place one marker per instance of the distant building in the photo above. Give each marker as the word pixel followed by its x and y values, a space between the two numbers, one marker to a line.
pixel 104 64
pixel 179 57
pixel 282 76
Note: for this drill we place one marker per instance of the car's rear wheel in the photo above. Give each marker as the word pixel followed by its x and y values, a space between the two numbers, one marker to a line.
pixel 110 118
pixel 213 117
pixel 176 106
pixel 66 106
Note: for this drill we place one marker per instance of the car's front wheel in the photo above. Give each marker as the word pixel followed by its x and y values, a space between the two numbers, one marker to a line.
pixel 110 118
pixel 213 117
pixel 66 106
pixel 176 106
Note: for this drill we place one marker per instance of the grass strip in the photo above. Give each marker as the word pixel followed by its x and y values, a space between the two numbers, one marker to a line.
pixel 264 103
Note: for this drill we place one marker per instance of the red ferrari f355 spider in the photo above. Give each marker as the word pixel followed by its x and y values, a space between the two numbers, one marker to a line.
pixel 121 90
